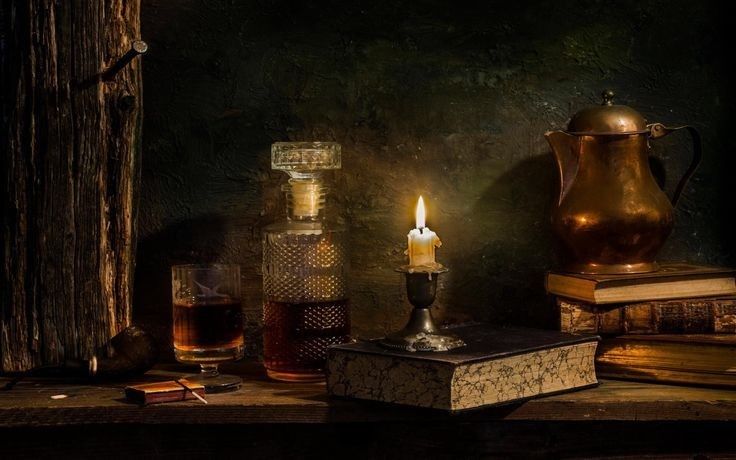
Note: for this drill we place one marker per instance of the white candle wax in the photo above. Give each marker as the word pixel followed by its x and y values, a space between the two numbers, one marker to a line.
pixel 422 244
pixel 422 240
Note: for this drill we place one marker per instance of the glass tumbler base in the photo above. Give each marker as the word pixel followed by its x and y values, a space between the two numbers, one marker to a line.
pixel 219 383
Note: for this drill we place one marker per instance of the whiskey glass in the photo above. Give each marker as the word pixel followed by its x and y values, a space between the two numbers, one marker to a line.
pixel 208 321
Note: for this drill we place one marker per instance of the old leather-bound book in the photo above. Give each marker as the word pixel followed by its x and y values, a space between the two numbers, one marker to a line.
pixel 498 365
pixel 671 281
pixel 681 316
pixel 690 359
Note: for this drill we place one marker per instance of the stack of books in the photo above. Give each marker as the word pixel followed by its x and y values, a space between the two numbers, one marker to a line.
pixel 676 325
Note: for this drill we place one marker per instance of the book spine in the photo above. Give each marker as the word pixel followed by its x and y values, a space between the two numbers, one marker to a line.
pixel 686 316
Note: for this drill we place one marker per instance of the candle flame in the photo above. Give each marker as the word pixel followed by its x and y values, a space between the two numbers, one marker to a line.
pixel 421 213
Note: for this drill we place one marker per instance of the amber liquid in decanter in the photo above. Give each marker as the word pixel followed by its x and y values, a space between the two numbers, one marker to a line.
pixel 296 337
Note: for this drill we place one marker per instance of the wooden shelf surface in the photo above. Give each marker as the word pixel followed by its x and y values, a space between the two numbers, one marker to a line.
pixel 261 401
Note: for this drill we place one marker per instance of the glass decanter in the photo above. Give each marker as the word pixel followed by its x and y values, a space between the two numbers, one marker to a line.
pixel 304 268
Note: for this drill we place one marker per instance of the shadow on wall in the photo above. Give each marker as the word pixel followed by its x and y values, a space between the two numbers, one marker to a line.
pixel 500 279
pixel 504 284
pixel 197 240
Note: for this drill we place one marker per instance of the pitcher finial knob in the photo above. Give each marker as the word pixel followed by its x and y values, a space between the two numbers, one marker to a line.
pixel 608 95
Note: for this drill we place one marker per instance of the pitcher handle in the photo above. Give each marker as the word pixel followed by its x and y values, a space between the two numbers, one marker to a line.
pixel 658 130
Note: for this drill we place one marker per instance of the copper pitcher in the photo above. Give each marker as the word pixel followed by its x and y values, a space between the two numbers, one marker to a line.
pixel 611 217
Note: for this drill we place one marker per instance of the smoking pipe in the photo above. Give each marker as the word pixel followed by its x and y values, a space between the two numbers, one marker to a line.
pixel 132 352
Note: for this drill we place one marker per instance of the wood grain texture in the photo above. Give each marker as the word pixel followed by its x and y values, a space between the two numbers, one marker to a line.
pixel 451 439
pixel 268 419
pixel 70 162
pixel 262 401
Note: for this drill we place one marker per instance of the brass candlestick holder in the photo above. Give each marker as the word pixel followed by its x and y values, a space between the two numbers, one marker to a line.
pixel 420 333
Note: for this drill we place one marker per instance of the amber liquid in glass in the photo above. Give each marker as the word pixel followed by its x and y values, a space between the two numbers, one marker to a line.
pixel 296 337
pixel 208 326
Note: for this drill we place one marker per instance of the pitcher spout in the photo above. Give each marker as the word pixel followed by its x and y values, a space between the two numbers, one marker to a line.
pixel 565 153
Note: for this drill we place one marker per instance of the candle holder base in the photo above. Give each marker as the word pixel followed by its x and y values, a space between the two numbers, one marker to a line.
pixel 421 341
pixel 421 333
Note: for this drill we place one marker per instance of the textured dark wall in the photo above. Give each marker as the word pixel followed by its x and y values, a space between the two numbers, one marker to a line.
pixel 426 97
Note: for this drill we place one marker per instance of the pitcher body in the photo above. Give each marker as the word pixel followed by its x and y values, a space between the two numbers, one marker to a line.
pixel 614 218
pixel 611 216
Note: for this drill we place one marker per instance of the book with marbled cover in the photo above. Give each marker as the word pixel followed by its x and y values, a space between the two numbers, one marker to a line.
pixel 498 365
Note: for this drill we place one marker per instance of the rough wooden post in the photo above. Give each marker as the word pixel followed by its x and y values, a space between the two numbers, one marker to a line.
pixel 69 176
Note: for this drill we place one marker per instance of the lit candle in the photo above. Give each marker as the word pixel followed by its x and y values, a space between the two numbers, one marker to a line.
pixel 422 240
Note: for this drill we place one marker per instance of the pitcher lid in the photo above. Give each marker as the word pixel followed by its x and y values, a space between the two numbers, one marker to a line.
pixel 607 118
